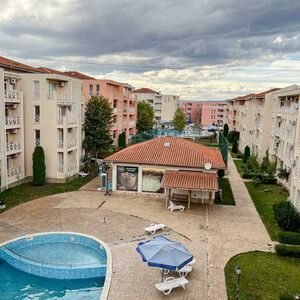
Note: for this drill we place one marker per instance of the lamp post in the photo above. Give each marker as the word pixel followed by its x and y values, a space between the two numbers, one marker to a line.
pixel 238 272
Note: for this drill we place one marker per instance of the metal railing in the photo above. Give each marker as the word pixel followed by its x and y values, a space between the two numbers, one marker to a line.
pixel 13 94
pixel 14 171
pixel 72 143
pixel 13 146
pixel 12 121
pixel 37 119
pixel 72 165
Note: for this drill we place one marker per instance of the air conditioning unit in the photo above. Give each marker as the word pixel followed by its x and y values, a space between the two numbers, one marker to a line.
pixel 293 162
pixel 61 84
pixel 13 80
pixel 14 106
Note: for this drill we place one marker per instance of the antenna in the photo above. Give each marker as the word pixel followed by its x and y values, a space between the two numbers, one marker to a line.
pixel 207 166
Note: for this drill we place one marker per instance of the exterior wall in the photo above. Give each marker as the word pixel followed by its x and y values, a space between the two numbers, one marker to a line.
pixel 212 113
pixel 12 128
pixel 164 105
pixel 58 122
pixel 192 110
pixel 122 100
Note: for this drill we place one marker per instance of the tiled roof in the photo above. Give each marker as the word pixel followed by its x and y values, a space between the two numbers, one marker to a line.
pixel 14 65
pixel 262 94
pixel 145 91
pixel 190 180
pixel 170 151
pixel 78 75
pixel 50 71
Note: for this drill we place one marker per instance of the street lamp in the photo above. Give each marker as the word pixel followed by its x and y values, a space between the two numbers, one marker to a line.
pixel 238 272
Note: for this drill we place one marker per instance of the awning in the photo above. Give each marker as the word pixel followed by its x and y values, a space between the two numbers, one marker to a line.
pixel 186 180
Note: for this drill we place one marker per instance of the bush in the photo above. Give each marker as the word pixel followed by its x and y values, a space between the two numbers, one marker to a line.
pixel 246 154
pixel 268 180
pixel 122 140
pixel 286 296
pixel 225 130
pixel 286 215
pixel 38 166
pixel 232 135
pixel 289 237
pixel 286 250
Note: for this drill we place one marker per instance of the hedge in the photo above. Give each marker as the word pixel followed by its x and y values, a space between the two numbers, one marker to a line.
pixel 265 180
pixel 286 297
pixel 286 250
pixel 289 237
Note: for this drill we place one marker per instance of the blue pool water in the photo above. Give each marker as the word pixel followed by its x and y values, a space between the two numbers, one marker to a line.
pixel 18 285
pixel 52 266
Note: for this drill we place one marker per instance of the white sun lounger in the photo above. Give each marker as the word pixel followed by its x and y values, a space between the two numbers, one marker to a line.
pixel 154 227
pixel 171 283
pixel 83 174
pixel 173 207
pixel 183 272
pixel 192 262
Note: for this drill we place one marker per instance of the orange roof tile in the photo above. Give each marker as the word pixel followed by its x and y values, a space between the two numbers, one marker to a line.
pixel 78 75
pixel 262 94
pixel 170 151
pixel 14 65
pixel 145 91
pixel 190 180
pixel 50 71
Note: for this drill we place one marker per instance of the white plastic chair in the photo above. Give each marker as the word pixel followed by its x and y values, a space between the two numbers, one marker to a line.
pixel 154 227
pixel 173 207
pixel 83 174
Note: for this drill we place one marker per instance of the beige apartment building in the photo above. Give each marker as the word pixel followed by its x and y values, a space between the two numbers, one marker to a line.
pixel 164 106
pixel 38 107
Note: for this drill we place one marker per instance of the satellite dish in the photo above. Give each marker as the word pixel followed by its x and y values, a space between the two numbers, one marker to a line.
pixel 207 166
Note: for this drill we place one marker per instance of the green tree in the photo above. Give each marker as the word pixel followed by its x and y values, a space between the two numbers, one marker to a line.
pixel 87 161
pixel 267 167
pixel 235 146
pixel 38 166
pixel 225 130
pixel 122 140
pixel 145 117
pixel 246 154
pixel 97 125
pixel 179 121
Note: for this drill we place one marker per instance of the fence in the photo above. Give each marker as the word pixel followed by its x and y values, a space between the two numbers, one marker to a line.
pixel 223 145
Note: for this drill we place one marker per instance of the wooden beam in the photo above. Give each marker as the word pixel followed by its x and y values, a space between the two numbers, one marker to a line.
pixel 189 199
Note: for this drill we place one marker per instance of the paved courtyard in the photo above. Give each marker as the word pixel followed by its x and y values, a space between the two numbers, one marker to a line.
pixel 213 234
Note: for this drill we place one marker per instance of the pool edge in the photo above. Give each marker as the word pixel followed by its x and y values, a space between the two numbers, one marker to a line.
pixel 107 281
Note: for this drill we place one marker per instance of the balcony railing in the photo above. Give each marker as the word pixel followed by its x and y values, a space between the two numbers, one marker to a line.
pixel 60 144
pixel 13 95
pixel 71 120
pixel 61 99
pixel 72 143
pixel 118 95
pixel 67 120
pixel 9 121
pixel 14 171
pixel 36 94
pixel 13 146
pixel 131 109
pixel 60 168
pixel 37 142
pixel 72 165
pixel 131 123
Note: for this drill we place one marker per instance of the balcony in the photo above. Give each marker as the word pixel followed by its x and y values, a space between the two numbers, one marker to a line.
pixel 37 142
pixel 72 143
pixel 131 110
pixel 13 147
pixel 115 110
pixel 13 96
pixel 131 124
pixel 36 95
pixel 61 99
pixel 67 120
pixel 72 165
pixel 37 119
pixel 60 168
pixel 12 121
pixel 14 171
pixel 60 144
pixel 118 95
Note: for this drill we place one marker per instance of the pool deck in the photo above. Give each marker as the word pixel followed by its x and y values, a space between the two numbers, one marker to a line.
pixel 213 234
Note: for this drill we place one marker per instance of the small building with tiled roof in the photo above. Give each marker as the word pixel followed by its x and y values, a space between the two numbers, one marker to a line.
pixel 172 167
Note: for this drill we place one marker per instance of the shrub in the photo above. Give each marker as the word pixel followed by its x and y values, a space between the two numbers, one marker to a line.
pixel 289 237
pixel 38 166
pixel 246 154
pixel 283 174
pixel 232 135
pixel 286 250
pixel 235 146
pixel 268 180
pixel 225 130
pixel 122 140
pixel 286 215
pixel 221 173
pixel 286 296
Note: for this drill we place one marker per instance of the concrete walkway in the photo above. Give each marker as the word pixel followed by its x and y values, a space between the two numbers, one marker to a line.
pixel 213 234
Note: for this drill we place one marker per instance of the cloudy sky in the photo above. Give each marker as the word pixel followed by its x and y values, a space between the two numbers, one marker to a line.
pixel 197 49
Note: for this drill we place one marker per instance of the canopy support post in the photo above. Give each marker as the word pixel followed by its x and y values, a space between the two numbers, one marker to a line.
pixel 189 199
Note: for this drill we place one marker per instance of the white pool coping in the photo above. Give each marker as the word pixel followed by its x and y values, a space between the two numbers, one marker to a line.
pixel 107 281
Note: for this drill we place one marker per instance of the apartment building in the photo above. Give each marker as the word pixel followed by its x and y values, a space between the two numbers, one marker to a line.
pixel 164 105
pixel 38 106
pixel 121 97
pixel 212 113
pixel 191 110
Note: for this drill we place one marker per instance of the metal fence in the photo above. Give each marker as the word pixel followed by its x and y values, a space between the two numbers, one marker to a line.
pixel 223 145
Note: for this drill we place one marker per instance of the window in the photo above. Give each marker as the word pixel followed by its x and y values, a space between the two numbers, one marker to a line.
pixel 97 89
pixel 37 137
pixel 36 89
pixel 36 109
pixel 52 89
pixel 91 90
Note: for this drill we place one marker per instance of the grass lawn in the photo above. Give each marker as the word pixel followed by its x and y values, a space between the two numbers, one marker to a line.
pixel 228 198
pixel 27 191
pixel 264 276
pixel 264 197
pixel 239 165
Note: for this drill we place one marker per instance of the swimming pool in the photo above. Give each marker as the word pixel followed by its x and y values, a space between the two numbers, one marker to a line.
pixel 54 265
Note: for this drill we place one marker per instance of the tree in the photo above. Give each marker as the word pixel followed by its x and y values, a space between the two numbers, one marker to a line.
pixel 235 146
pixel 179 121
pixel 87 161
pixel 38 166
pixel 122 140
pixel 145 117
pixel 246 154
pixel 286 215
pixel 267 167
pixel 225 130
pixel 97 125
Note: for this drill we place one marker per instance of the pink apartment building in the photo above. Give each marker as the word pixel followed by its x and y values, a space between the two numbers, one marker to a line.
pixel 122 99
pixel 204 112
